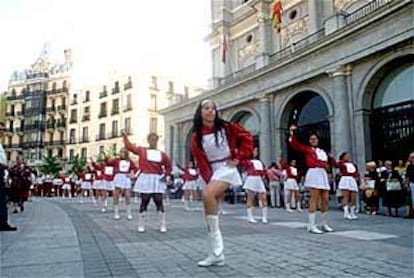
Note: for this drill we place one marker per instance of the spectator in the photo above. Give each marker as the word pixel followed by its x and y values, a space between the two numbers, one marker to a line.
pixel 370 187
pixel 401 167
pixel 274 175
pixel 4 225
pixel 20 176
pixel 391 188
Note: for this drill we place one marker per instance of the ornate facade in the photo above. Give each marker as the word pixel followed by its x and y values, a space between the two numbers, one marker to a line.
pixel 343 68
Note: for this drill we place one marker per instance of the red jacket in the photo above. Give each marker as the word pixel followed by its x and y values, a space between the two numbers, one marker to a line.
pixel 159 159
pixel 98 170
pixel 106 168
pixel 309 152
pixel 343 168
pixel 252 171
pixel 116 164
pixel 187 176
pixel 240 143
pixel 288 169
pixel 86 176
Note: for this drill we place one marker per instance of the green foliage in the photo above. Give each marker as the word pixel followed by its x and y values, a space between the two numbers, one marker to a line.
pixel 77 165
pixel 50 165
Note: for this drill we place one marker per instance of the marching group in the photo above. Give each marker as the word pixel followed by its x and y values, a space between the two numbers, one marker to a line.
pixel 224 159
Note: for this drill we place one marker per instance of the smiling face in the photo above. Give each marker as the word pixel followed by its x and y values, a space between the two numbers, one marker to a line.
pixel 123 153
pixel 208 113
pixel 314 140
pixel 293 163
pixel 153 141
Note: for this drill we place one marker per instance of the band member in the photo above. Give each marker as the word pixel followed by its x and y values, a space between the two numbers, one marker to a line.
pixel 274 175
pixel 218 148
pixel 253 184
pixel 86 178
pixel 100 185
pixel 347 184
pixel 155 167
pixel 316 178
pixel 66 187
pixel 124 170
pixel 292 178
pixel 190 177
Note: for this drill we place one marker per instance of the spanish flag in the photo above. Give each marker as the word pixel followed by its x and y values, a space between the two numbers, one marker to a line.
pixel 277 14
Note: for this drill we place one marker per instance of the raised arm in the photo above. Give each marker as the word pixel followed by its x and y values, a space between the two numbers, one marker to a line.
pixel 284 164
pixel 244 142
pixel 335 162
pixel 129 146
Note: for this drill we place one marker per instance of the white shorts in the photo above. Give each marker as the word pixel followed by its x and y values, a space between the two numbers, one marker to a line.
pixel 348 183
pixel 291 184
pixel 317 178
pixel 98 185
pixel 226 173
pixel 108 185
pixel 122 181
pixel 66 186
pixel 190 185
pixel 149 183
pixel 86 185
pixel 255 184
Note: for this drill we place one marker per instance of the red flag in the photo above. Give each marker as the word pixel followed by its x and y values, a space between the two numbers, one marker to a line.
pixel 224 48
pixel 277 14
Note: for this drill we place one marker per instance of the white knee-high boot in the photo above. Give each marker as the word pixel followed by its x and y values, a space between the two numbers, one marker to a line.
pixel 116 212
pixel 163 222
pixel 128 211
pixel 264 215
pixel 250 217
pixel 216 255
pixel 312 227
pixel 141 222
pixel 324 224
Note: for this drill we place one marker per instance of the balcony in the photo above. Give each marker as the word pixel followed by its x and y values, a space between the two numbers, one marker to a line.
pixel 51 109
pixel 127 108
pixel 114 112
pixel 86 118
pixel 365 10
pixel 72 140
pixel 13 146
pixel 100 137
pixel 10 114
pixel 74 102
pixel 86 100
pixel 102 114
pixel 20 114
pixel 61 125
pixel 61 108
pixel 128 86
pixel 115 90
pixel 38 75
pixel 50 125
pixel 54 143
pixel 15 98
pixel 73 120
pixel 114 134
pixel 35 126
pixel 18 130
pixel 103 94
pixel 84 140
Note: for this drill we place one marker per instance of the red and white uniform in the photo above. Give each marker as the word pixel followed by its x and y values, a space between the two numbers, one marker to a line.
pixel 349 174
pixel 108 175
pixel 190 178
pixel 86 179
pixel 154 165
pixel 291 176
pixel 255 170
pixel 66 183
pixel 123 169
pixel 98 183
pixel 234 142
pixel 316 160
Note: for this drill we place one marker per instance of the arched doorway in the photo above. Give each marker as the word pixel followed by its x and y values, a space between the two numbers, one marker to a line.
pixel 309 112
pixel 250 122
pixel 392 106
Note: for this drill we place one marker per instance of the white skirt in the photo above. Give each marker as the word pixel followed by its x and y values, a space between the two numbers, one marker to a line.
pixel 122 181
pixel 66 186
pixel 107 185
pixel 228 174
pixel 86 185
pixel 149 183
pixel 291 184
pixel 97 184
pixel 348 183
pixel 254 183
pixel 190 185
pixel 317 178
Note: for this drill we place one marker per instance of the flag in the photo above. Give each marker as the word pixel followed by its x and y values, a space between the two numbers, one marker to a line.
pixel 277 14
pixel 224 48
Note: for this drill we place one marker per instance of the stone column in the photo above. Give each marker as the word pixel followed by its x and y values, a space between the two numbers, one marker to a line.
pixel 177 150
pixel 313 16
pixel 342 139
pixel 265 34
pixel 362 149
pixel 265 139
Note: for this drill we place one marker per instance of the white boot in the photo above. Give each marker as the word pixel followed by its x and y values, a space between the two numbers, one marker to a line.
pixel 141 222
pixel 312 227
pixel 216 256
pixel 128 210
pixel 116 212
pixel 298 207
pixel 324 224
pixel 264 215
pixel 250 217
pixel 104 205
pixel 186 206
pixel 352 214
pixel 163 223
pixel 288 209
pixel 346 213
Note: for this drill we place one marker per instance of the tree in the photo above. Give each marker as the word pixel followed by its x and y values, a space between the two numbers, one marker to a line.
pixel 50 165
pixel 77 165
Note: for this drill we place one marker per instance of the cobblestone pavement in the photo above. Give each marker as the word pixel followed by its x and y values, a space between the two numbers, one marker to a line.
pixel 63 238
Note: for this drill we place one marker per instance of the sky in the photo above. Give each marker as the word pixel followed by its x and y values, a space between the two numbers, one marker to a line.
pixel 167 36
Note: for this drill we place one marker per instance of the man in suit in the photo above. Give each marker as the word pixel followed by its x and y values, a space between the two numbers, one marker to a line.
pixel 4 225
